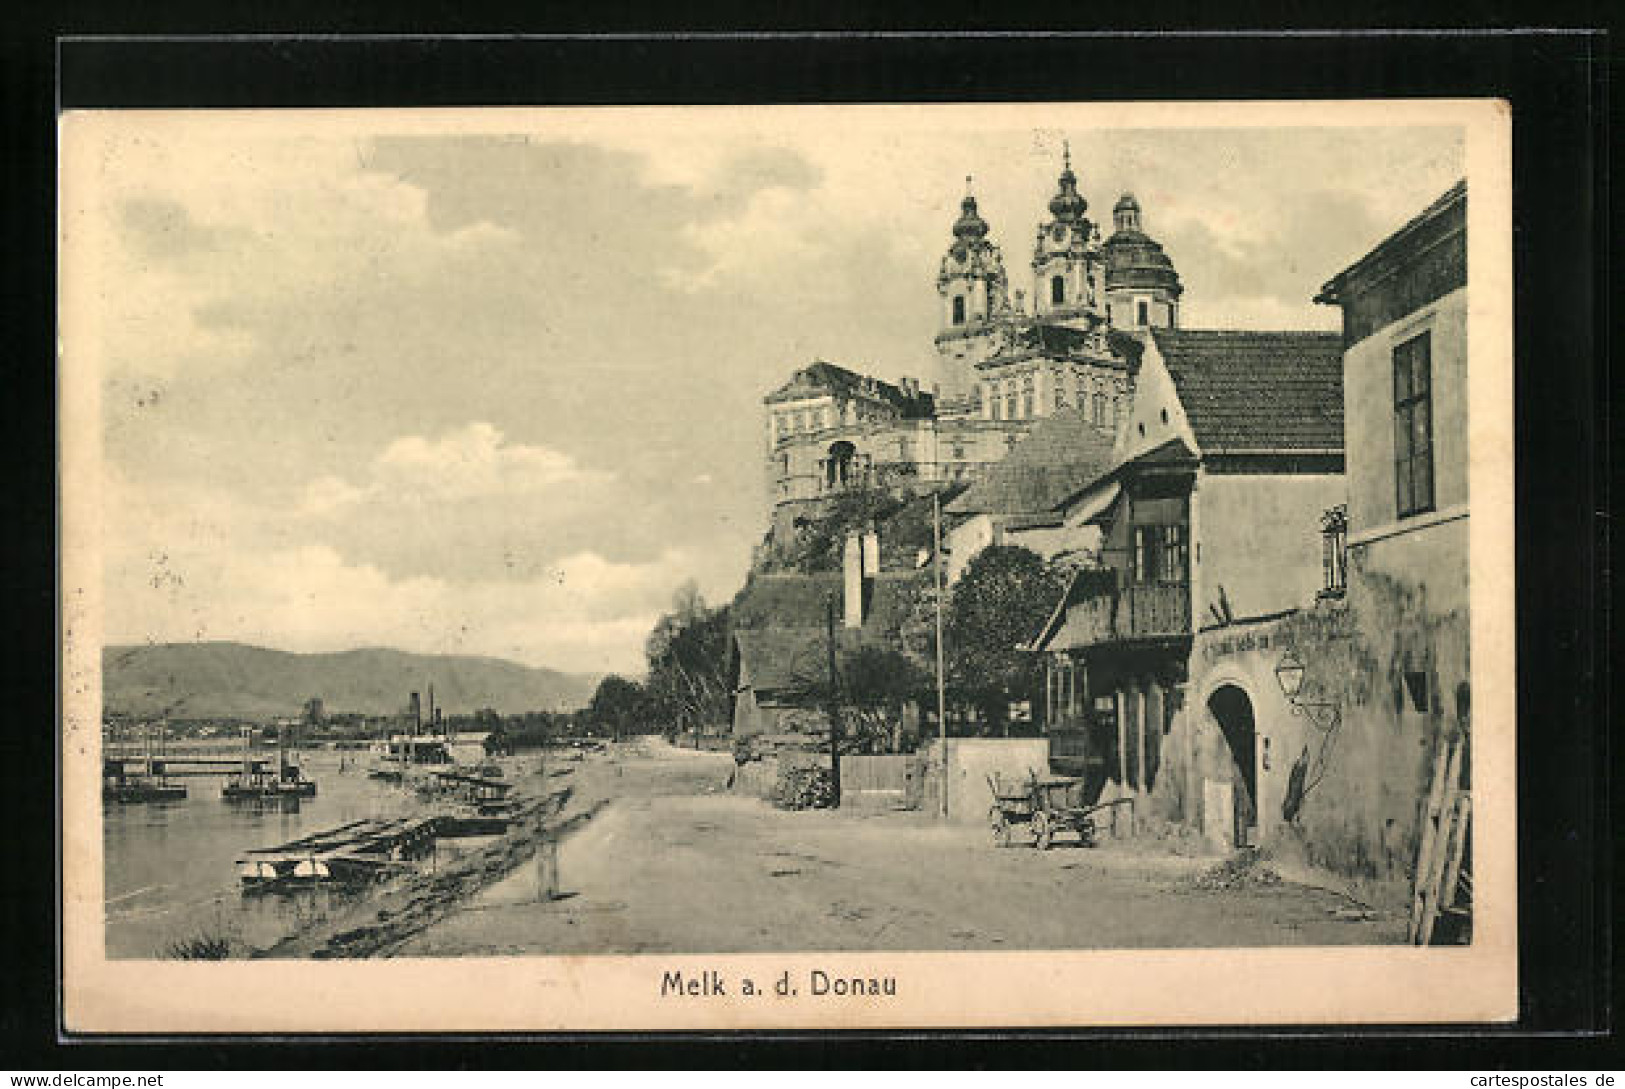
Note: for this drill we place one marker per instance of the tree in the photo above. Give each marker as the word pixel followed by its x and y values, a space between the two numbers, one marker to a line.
pixel 619 704
pixel 687 654
pixel 1001 601
pixel 872 685
pixel 878 682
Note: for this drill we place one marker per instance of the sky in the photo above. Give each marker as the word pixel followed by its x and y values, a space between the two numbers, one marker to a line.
pixel 490 383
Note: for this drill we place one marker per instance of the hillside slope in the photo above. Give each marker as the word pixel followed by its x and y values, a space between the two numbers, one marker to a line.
pixel 231 680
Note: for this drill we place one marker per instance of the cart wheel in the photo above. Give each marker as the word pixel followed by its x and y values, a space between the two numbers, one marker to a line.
pixel 1042 832
pixel 1001 829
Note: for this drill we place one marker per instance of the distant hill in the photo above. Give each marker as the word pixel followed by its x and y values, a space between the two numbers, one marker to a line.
pixel 231 680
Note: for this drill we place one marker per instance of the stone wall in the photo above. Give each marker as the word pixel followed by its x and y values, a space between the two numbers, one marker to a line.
pixel 1340 783
pixel 970 761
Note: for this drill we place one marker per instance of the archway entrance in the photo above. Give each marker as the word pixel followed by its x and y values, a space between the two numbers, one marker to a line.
pixel 1233 711
pixel 839 466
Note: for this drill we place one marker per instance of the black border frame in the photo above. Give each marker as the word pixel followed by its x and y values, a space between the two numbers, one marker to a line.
pixel 1556 83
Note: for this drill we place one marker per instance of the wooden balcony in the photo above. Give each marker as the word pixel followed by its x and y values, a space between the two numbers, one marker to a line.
pixel 1147 611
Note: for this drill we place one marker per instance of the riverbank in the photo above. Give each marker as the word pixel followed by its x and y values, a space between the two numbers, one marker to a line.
pixel 377 922
pixel 672 862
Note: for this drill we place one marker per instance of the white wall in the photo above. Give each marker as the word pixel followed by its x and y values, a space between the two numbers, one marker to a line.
pixel 1260 540
pixel 1155 414
pixel 965 541
pixel 1368 412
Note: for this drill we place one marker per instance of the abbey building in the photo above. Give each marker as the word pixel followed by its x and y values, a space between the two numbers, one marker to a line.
pixel 1005 358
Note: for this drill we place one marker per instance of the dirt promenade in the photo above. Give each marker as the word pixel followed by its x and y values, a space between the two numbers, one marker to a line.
pixel 674 863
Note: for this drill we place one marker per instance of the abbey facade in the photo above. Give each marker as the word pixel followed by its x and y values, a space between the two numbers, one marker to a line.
pixel 1003 361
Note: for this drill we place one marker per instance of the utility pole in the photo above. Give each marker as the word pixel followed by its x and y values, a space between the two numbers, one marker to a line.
pixel 942 686
pixel 834 703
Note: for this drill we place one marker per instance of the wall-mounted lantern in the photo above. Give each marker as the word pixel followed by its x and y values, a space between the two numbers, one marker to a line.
pixel 1289 675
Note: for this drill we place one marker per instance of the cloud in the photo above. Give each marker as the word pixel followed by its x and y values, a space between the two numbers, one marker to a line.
pixel 183 565
pixel 329 494
pixel 472 462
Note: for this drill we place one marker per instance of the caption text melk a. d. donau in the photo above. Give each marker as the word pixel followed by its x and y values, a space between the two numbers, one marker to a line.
pixel 816 983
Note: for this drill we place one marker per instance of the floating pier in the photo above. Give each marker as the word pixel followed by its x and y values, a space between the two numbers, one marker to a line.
pixel 129 790
pixel 353 853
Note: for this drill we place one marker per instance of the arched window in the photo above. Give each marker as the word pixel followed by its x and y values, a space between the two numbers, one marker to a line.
pixel 840 466
pixel 1057 290
pixel 959 310
pixel 1100 408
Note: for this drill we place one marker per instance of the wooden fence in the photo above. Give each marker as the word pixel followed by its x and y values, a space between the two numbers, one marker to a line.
pixel 893 781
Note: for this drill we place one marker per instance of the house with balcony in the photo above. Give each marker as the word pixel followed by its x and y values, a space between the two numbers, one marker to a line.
pixel 1210 518
pixel 1015 501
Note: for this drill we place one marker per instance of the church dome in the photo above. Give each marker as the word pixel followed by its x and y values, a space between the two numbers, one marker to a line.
pixel 1068 205
pixel 1134 258
pixel 969 227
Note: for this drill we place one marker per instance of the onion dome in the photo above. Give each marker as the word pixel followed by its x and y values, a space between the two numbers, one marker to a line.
pixel 1133 258
pixel 1068 205
pixel 969 227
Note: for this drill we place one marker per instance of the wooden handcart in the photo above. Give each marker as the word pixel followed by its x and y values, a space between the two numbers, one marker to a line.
pixel 1042 807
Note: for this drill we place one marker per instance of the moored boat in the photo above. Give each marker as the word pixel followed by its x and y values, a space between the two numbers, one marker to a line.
pixel 258 783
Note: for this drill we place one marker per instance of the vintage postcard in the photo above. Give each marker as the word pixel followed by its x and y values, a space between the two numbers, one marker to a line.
pixel 787 567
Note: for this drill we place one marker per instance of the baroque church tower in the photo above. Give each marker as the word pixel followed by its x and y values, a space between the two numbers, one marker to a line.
pixel 1067 258
pixel 974 292
pixel 1003 365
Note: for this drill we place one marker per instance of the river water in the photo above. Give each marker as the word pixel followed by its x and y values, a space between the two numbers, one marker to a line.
pixel 169 865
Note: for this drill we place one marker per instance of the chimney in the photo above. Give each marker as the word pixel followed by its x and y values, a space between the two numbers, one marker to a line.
pixel 852 572
pixel 414 711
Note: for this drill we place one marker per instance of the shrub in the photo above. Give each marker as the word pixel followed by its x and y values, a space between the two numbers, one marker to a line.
pixel 806 787
pixel 201 947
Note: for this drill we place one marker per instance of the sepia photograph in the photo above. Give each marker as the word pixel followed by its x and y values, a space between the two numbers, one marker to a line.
pixel 787 566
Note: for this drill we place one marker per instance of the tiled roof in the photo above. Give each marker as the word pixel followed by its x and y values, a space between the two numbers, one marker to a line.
pixel 1060 455
pixel 1253 392
pixel 1174 452
pixel 822 377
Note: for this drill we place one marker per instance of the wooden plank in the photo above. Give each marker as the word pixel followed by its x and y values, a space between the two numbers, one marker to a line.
pixel 1439 856
pixel 1458 850
pixel 1450 842
pixel 1429 835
